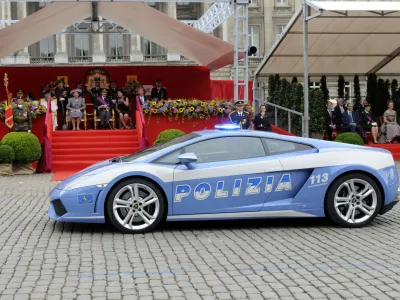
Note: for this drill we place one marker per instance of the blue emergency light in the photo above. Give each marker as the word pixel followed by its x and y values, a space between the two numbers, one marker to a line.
pixel 227 127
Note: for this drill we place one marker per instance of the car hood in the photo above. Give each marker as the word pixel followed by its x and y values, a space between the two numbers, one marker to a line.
pixel 93 169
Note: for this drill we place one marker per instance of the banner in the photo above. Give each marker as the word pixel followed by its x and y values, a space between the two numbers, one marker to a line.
pixel 9 120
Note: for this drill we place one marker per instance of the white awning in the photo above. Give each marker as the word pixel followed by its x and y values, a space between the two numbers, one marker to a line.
pixel 347 38
pixel 146 21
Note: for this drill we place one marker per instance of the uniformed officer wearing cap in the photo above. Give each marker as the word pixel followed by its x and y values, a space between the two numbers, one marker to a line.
pixel 20 95
pixel 96 91
pixel 159 92
pixel 21 117
pixel 239 116
pixel 62 93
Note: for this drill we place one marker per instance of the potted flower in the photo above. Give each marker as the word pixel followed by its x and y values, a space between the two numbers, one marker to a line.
pixel 7 156
pixel 27 150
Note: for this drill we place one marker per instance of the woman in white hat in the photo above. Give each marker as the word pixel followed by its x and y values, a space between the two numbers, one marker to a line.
pixel 75 106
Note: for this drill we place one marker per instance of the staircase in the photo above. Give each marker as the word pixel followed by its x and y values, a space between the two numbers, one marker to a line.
pixel 74 151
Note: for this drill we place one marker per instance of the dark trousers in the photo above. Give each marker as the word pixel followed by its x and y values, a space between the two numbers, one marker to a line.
pixel 329 132
pixel 104 116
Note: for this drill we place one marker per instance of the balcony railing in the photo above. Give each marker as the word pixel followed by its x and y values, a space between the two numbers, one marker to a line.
pixel 155 58
pixel 80 59
pixel 42 60
pixel 118 59
pixel 255 60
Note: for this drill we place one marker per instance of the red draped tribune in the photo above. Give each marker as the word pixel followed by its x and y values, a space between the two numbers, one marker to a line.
pixel 45 161
pixel 224 89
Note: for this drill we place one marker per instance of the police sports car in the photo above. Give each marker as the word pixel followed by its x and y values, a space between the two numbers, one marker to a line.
pixel 231 174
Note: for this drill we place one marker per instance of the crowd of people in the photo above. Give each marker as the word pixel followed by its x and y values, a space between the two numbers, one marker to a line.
pixel 120 102
pixel 342 118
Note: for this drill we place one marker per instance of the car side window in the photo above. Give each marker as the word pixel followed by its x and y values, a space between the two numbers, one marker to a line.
pixel 220 149
pixel 227 148
pixel 275 146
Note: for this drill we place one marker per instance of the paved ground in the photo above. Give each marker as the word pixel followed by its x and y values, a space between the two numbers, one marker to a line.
pixel 286 259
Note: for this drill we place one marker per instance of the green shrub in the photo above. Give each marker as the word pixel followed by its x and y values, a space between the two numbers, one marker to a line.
pixel 26 146
pixel 349 138
pixel 168 135
pixel 7 154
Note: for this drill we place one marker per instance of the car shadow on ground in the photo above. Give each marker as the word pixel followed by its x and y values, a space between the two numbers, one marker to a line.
pixel 203 225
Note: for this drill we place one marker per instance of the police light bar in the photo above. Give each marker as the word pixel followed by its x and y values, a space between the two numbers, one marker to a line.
pixel 227 127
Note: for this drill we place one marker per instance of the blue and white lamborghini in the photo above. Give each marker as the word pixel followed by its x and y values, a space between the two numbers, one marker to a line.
pixel 231 174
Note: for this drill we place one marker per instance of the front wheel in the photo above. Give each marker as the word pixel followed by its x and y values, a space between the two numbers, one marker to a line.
pixel 353 200
pixel 136 206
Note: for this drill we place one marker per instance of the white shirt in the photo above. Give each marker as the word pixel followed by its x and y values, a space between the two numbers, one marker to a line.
pixel 141 99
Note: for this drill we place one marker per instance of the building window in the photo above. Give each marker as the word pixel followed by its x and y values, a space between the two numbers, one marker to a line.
pixel 253 2
pixel 81 45
pixel 279 31
pixel 151 48
pixel 314 85
pixel 116 45
pixel 254 38
pixel 282 2
pixel 47 47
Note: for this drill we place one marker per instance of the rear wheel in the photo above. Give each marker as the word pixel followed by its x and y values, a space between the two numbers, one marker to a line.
pixel 353 200
pixel 136 206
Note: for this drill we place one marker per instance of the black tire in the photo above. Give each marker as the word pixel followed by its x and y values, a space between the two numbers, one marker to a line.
pixel 161 211
pixel 330 200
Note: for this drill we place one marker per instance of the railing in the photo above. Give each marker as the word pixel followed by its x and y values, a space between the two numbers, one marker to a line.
pixel 289 112
pixel 42 60
pixel 255 60
pixel 155 58
pixel 80 59
pixel 118 58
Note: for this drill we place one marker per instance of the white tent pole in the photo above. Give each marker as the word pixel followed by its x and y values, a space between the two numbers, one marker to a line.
pixel 305 58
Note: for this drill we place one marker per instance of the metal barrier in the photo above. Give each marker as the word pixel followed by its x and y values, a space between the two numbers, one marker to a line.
pixel 289 115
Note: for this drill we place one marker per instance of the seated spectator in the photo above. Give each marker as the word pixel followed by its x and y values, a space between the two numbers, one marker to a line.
pixel 390 129
pixel 329 120
pixel 75 106
pixel 351 120
pixel 104 105
pixel 368 122
pixel 261 121
pixel 123 109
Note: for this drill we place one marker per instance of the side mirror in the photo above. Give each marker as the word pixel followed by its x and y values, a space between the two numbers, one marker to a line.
pixel 187 159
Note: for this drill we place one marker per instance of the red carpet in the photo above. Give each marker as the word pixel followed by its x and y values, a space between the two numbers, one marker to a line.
pixel 75 150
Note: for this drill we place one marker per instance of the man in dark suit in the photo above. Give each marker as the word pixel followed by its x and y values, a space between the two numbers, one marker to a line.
pixel 104 106
pixel 338 112
pixel 239 116
pixel 329 120
pixel 62 93
pixel 159 92
pixel 351 119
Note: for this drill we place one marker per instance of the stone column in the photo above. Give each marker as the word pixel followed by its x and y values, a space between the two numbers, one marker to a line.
pixel 23 56
pixel 5 14
pixel 269 28
pixel 136 51
pixel 61 56
pixel 99 55
pixel 227 30
pixel 171 11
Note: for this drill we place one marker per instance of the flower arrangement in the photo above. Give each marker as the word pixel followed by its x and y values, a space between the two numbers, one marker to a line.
pixel 131 86
pixel 191 108
pixel 35 108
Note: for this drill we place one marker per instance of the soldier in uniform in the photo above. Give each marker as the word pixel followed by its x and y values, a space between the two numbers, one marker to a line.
pixel 20 95
pixel 61 92
pixel 22 117
pixel 79 88
pixel 239 116
pixel 159 92
pixel 96 91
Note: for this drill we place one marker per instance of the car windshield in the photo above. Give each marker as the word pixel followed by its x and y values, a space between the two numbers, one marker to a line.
pixel 141 154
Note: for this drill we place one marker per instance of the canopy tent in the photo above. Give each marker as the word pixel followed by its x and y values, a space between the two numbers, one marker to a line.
pixel 343 38
pixel 146 21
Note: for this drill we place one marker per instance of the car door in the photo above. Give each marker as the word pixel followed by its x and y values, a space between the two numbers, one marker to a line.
pixel 291 180
pixel 232 174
